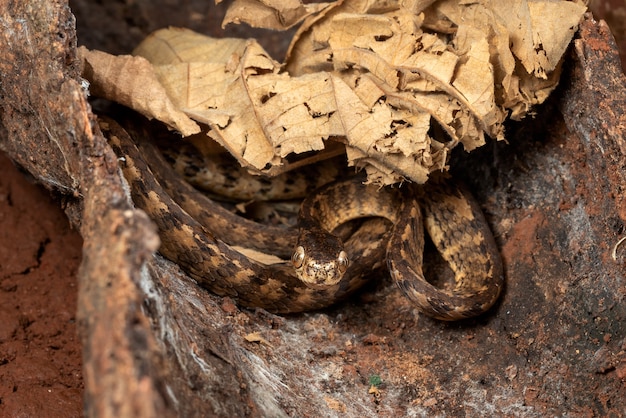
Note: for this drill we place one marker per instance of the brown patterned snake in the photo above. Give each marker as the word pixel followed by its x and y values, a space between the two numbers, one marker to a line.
pixel 194 231
pixel 223 176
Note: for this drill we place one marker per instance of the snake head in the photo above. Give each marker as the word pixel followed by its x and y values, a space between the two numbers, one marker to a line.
pixel 320 261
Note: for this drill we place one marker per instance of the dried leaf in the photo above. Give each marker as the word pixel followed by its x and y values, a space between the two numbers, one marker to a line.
pixel 396 139
pixel 270 14
pixel 132 82
pixel 464 77
pixel 256 337
pixel 207 79
pixel 552 35
pixel 540 31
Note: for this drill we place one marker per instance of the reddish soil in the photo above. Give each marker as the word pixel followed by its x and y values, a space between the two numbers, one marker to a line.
pixel 40 351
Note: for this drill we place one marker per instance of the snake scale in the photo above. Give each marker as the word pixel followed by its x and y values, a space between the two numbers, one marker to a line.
pixel 199 234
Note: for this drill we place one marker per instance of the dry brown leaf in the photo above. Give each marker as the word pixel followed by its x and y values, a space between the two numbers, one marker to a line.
pixel 335 404
pixel 395 139
pixel 207 79
pixel 132 82
pixel 418 75
pixel 540 30
pixel 270 14
pixel 259 256
pixel 465 77
pixel 552 36
pixel 256 337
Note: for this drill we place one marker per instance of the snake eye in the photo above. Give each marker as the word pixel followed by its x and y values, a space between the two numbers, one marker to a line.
pixel 344 262
pixel 297 259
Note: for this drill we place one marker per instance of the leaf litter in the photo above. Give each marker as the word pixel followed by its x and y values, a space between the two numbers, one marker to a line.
pixel 398 83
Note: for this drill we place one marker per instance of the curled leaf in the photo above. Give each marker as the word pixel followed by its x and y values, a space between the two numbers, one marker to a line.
pixel 270 14
pixel 132 82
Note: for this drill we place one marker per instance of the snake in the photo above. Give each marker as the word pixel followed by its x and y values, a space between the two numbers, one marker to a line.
pixel 222 176
pixel 199 235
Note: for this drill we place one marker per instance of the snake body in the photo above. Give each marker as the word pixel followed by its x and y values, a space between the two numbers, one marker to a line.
pixel 214 264
pixel 459 231
pixel 222 175
pixel 193 235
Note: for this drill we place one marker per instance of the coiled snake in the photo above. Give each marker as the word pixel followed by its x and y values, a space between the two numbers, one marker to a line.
pixel 199 234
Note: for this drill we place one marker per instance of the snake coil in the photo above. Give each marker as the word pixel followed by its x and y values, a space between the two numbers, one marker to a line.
pixel 201 236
